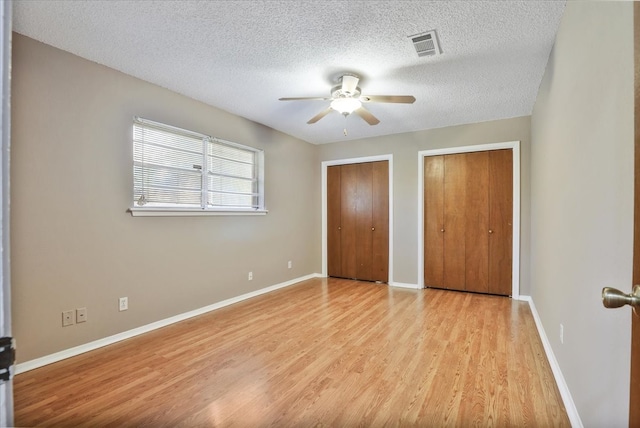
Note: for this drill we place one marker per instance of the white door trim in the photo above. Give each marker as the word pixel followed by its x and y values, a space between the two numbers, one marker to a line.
pixel 325 164
pixel 515 146
pixel 6 388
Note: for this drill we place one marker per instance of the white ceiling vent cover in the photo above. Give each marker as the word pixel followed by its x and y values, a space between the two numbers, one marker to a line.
pixel 426 44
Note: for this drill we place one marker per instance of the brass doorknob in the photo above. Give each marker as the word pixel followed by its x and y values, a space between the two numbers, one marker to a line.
pixel 490 231
pixel 373 228
pixel 614 298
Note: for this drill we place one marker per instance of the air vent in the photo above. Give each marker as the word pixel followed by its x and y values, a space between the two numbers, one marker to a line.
pixel 426 44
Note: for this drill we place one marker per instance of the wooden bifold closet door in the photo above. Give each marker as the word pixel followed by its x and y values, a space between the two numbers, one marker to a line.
pixel 358 221
pixel 468 206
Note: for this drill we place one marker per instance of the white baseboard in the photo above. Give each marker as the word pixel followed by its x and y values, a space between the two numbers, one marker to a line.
pixel 569 405
pixel 77 350
pixel 405 285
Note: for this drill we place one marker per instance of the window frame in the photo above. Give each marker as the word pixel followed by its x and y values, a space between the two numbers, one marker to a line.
pixel 171 210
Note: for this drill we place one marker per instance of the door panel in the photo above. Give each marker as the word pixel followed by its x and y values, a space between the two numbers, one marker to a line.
pixel 358 221
pixel 364 222
pixel 334 265
pixel 455 182
pixel 634 398
pixel 348 214
pixel 434 221
pixel 468 232
pixel 380 263
pixel 477 222
pixel 500 221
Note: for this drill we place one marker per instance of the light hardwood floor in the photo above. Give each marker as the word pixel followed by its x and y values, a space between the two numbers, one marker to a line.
pixel 325 352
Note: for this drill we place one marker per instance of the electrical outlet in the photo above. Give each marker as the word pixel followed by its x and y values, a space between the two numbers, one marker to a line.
pixel 67 318
pixel 250 276
pixel 289 264
pixel 123 304
pixel 562 334
pixel 81 315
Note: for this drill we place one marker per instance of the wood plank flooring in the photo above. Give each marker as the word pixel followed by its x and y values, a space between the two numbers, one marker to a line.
pixel 325 352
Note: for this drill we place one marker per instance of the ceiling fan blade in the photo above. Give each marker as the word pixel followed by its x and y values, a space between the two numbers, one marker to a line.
pixel 367 116
pixel 304 98
pixel 319 116
pixel 404 99
pixel 349 84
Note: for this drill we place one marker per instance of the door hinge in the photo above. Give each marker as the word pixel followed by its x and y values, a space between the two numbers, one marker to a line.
pixel 7 357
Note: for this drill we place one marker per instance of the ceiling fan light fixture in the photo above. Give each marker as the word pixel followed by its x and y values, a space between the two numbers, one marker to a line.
pixel 346 105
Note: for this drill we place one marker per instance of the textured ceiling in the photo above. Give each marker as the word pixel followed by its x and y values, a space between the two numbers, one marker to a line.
pixel 241 56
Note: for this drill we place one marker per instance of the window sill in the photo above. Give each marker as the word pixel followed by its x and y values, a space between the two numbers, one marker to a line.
pixel 189 212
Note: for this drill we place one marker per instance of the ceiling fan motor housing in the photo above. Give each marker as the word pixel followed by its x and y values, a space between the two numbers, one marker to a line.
pixel 338 92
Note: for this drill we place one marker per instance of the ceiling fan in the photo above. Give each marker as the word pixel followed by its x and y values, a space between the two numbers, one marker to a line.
pixel 346 98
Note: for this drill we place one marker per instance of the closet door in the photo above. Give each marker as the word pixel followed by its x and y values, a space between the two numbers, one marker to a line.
pixel 349 217
pixel 468 232
pixel 364 221
pixel 500 221
pixel 334 248
pixel 434 221
pixel 455 207
pixel 477 222
pixel 358 221
pixel 380 225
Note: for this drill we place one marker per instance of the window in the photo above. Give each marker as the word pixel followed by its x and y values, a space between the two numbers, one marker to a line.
pixel 175 170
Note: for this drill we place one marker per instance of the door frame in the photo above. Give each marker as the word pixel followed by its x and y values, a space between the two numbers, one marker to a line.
pixel 325 165
pixel 6 388
pixel 515 146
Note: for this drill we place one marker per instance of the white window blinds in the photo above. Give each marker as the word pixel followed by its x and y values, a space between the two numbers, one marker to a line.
pixel 176 168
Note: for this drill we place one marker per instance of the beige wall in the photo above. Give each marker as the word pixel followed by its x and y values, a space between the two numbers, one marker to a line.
pixel 405 148
pixel 582 204
pixel 73 243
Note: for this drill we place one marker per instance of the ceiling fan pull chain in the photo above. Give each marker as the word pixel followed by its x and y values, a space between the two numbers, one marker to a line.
pixel 345 125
